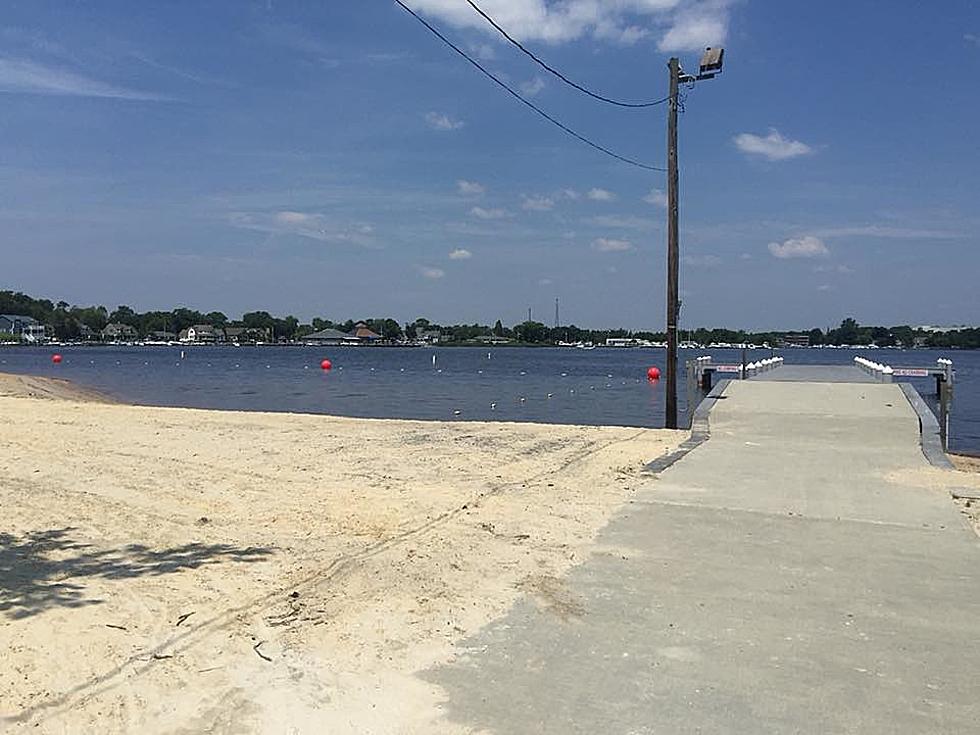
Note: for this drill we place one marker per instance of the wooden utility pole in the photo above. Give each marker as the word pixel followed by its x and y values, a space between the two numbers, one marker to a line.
pixel 673 252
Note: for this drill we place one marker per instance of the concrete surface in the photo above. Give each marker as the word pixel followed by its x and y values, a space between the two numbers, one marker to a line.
pixel 771 581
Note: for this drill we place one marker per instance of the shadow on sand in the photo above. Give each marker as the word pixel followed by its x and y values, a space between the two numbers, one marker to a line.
pixel 46 569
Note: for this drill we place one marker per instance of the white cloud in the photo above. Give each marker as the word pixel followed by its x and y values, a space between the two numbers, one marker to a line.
pixel 799 247
pixel 483 51
pixel 312 226
pixel 609 245
pixel 439 121
pixel 294 218
pixel 696 26
pixel 432 273
pixel 460 254
pixel 657 197
pixel 545 282
pixel 680 25
pixel 470 188
pixel 825 287
pixel 538 203
pixel 27 77
pixel 773 147
pixel 972 38
pixel 570 194
pixel 701 261
pixel 532 87
pixel 482 213
pixel 600 195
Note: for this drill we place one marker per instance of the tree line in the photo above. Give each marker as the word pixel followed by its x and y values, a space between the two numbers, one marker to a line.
pixel 66 321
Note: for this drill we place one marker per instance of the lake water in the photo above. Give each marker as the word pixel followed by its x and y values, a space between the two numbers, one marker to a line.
pixel 551 385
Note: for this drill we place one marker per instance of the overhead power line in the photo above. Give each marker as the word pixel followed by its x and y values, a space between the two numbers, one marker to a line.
pixel 522 99
pixel 544 65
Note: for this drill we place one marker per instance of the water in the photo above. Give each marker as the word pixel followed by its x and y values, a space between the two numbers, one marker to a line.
pixel 568 386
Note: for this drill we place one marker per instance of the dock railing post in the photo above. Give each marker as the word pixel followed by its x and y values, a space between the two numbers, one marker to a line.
pixel 945 399
pixel 692 380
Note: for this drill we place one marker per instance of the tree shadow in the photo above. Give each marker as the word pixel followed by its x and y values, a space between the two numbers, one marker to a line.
pixel 45 569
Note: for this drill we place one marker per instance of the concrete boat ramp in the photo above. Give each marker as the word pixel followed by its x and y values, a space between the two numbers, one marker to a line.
pixel 791 574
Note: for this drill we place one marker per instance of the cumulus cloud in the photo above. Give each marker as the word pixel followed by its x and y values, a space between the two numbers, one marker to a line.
pixel 440 121
pixel 972 38
pixel 799 247
pixel 481 213
pixel 570 194
pixel 460 254
pixel 432 273
pixel 679 25
pixel 696 26
pixel 772 147
pixel 656 197
pixel 609 245
pixel 470 188
pixel 600 195
pixel 538 203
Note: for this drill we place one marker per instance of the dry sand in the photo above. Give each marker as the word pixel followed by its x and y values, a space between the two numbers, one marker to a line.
pixel 184 571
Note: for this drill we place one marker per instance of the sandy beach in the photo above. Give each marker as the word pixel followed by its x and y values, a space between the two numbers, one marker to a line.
pixel 182 571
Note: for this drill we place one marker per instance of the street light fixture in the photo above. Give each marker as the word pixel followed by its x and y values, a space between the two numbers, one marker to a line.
pixel 711 63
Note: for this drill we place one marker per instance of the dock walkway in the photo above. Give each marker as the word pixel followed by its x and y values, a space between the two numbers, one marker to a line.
pixel 790 575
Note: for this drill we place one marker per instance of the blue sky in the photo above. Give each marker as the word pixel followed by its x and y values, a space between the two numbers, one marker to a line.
pixel 335 159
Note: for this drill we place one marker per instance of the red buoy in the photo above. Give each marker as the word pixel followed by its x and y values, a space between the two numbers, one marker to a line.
pixel 55 358
pixel 653 373
pixel 326 365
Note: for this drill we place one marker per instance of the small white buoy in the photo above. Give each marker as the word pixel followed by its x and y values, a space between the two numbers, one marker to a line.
pixel 457 412
pixel 479 372
pixel 488 355
pixel 372 370
pixel 564 375
pixel 306 367
pixel 523 372
pixel 439 370
pixel 402 370
pixel 181 354
pixel 493 406
pixel 550 395
pixel 433 360
pixel 523 399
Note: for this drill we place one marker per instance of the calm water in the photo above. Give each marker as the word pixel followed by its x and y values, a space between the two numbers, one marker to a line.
pixel 602 386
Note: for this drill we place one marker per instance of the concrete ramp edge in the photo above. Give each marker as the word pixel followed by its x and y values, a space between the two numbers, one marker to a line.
pixel 929 439
pixel 700 430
